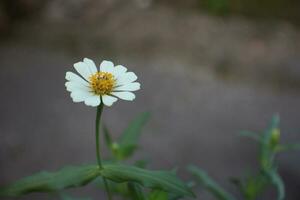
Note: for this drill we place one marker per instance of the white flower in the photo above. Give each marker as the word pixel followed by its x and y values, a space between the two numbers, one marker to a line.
pixel 106 85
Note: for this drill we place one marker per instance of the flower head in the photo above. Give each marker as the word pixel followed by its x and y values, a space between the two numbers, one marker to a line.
pixel 106 85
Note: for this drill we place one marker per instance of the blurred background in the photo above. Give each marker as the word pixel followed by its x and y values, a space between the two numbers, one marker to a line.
pixel 208 68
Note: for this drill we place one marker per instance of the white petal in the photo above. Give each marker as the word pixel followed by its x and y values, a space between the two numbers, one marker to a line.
pixel 92 101
pixel 129 87
pixel 70 76
pixel 90 63
pixel 79 95
pixel 129 96
pixel 84 70
pixel 126 78
pixel 108 100
pixel 119 70
pixel 107 66
pixel 73 85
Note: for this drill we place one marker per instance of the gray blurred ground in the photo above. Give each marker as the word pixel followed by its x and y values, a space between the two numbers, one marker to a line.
pixel 203 78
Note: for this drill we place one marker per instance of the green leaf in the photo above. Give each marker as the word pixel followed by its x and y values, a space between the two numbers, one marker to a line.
pixel 287 147
pixel 129 139
pixel 68 197
pixel 116 188
pixel 133 131
pixel 107 137
pixel 135 191
pixel 128 142
pixel 277 181
pixel 67 177
pixel 124 151
pixel 210 184
pixel 163 180
pixel 267 153
pixel 81 175
pixel 254 186
pixel 141 163
pixel 274 122
pixel 158 195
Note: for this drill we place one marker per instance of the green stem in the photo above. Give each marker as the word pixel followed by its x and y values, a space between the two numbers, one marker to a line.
pixel 98 118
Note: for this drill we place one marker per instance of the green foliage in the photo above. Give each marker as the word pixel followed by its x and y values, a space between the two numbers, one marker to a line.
pixel 81 175
pixel 120 189
pixel 137 183
pixel 253 185
pixel 270 140
pixel 68 177
pixel 158 195
pixel 163 180
pixel 216 7
pixel 141 163
pixel 65 196
pixel 287 147
pixel 210 184
pixel 276 180
pixel 133 131
pixel 128 142
pixel 270 145
pixel 135 191
pixel 258 9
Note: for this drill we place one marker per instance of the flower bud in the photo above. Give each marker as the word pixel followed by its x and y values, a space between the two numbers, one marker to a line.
pixel 275 137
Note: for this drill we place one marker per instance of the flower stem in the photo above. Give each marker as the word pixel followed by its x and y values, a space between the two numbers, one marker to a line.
pixel 98 118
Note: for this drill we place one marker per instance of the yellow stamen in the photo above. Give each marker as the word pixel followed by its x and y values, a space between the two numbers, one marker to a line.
pixel 102 83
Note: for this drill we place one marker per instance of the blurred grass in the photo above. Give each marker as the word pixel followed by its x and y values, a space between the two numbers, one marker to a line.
pixel 260 9
pixel 282 9
pixel 255 8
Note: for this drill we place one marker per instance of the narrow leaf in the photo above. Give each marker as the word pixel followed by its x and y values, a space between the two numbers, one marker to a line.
pixel 255 185
pixel 116 188
pixel 68 197
pixel 267 153
pixel 274 122
pixel 125 151
pixel 158 195
pixel 133 131
pixel 278 183
pixel 287 147
pixel 107 137
pixel 67 177
pixel 128 142
pixel 210 184
pixel 141 163
pixel 163 180
pixel 135 191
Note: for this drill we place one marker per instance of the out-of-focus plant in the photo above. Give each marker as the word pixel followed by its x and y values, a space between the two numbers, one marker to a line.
pixel 253 185
pixel 126 145
pixel 257 9
pixel 216 7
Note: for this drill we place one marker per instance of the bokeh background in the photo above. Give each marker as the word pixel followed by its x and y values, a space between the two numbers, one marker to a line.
pixel 208 68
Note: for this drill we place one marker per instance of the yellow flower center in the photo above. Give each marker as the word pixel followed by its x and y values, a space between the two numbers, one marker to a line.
pixel 102 83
